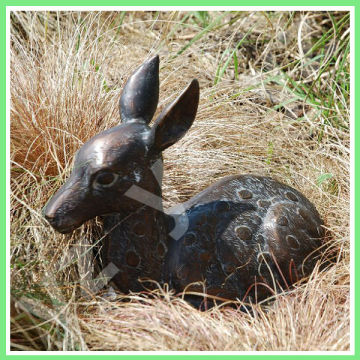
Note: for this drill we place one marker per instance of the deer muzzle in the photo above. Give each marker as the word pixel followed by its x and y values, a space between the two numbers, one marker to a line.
pixel 65 211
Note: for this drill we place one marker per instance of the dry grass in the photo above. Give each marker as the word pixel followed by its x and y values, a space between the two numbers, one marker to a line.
pixel 67 72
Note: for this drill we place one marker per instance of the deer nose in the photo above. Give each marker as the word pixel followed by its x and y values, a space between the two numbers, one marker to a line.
pixel 49 211
pixel 51 208
pixel 49 216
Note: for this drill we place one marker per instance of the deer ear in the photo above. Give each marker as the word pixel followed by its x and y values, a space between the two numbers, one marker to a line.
pixel 176 119
pixel 140 96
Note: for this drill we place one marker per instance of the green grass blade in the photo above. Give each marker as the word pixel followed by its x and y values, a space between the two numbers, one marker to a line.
pixel 220 72
pixel 200 34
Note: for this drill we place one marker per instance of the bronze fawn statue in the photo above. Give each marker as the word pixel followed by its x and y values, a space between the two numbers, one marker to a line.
pixel 243 236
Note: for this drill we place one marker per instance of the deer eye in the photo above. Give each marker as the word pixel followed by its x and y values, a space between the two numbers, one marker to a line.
pixel 105 179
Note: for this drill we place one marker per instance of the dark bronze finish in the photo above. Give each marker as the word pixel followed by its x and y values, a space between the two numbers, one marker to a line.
pixel 243 235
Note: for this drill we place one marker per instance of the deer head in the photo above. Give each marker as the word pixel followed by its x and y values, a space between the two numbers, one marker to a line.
pixel 110 163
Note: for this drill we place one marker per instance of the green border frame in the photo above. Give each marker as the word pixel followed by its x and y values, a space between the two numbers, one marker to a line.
pixel 4 144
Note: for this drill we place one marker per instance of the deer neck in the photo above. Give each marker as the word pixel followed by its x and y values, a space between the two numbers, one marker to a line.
pixel 136 244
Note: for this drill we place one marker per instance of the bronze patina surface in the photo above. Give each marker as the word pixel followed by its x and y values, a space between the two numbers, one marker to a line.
pixel 241 231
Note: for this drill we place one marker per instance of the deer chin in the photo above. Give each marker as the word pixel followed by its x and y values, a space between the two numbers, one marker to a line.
pixel 65 227
pixel 67 230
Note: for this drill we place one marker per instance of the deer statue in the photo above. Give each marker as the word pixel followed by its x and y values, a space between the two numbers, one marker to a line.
pixel 241 238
